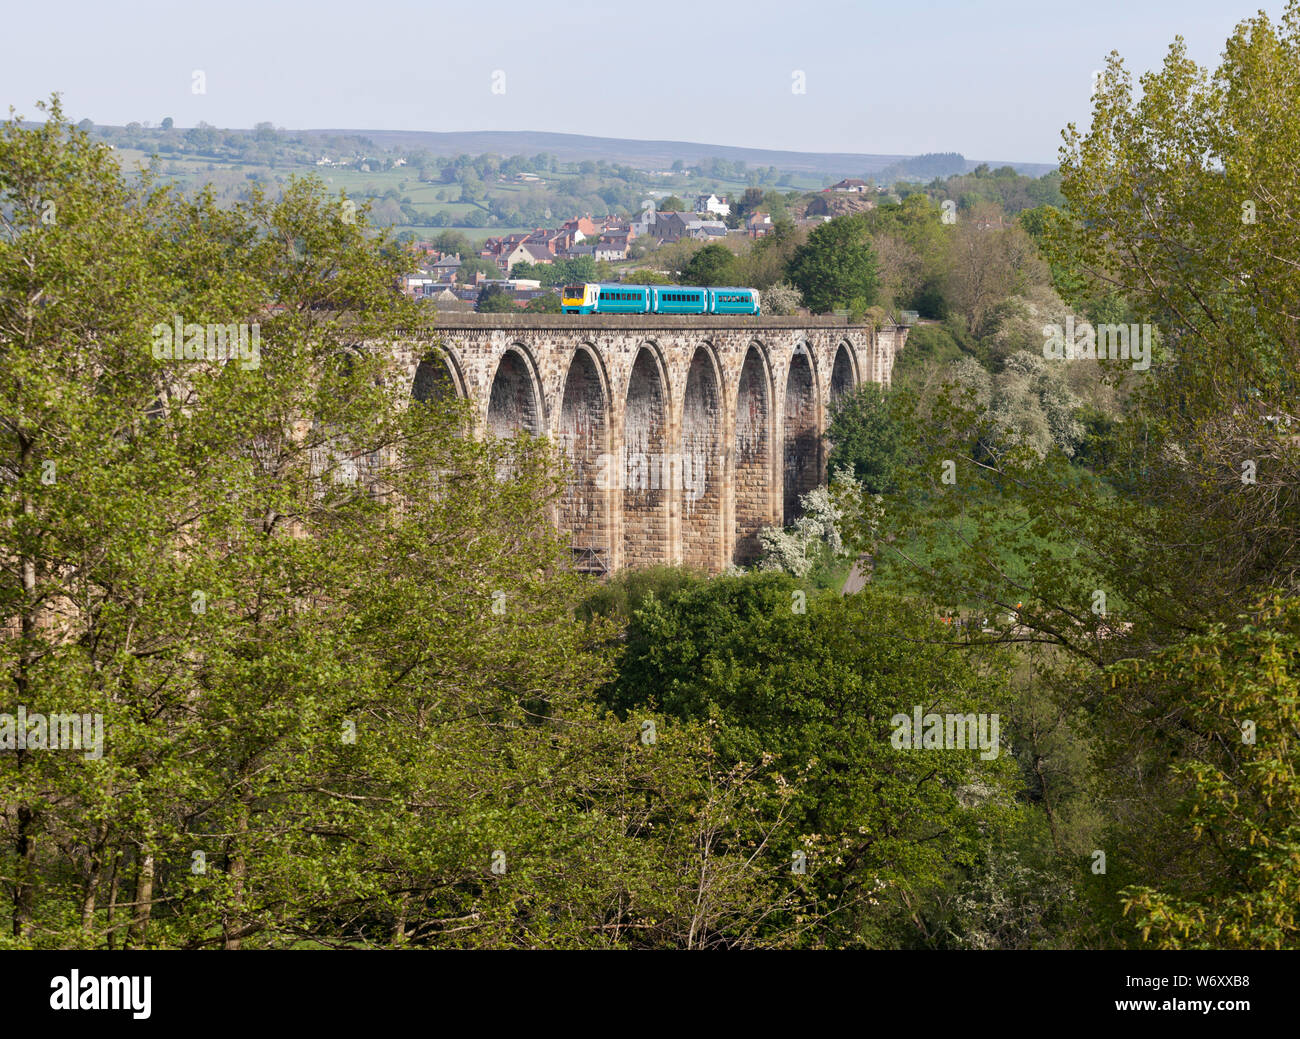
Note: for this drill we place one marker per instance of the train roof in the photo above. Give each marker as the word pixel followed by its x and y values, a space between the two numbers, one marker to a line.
pixel 633 285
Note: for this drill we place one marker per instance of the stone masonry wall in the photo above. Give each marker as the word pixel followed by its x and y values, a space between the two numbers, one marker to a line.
pixel 687 434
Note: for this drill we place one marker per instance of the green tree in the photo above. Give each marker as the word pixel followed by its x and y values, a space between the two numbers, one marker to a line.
pixel 751 200
pixel 454 242
pixel 712 265
pixel 295 753
pixel 472 265
pixel 866 437
pixel 1234 690
pixel 836 267
pixel 815 694
pixel 495 300
pixel 579 270
pixel 1188 523
pixel 547 303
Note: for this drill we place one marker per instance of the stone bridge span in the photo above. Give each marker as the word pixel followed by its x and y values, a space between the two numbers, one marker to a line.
pixel 687 434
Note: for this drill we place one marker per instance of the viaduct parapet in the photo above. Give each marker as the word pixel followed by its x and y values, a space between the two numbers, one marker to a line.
pixel 687 434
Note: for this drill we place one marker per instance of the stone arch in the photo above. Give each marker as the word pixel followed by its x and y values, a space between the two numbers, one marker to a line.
pixel 438 377
pixel 700 462
pixel 583 435
pixel 515 401
pixel 844 373
pixel 645 439
pixel 802 454
pixel 752 453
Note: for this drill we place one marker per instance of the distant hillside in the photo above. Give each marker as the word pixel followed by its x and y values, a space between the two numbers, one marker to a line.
pixel 569 147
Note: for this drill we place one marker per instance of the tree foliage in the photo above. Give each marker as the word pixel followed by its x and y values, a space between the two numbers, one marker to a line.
pixel 836 267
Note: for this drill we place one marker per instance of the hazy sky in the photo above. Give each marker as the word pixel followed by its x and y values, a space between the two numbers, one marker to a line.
pixel 993 79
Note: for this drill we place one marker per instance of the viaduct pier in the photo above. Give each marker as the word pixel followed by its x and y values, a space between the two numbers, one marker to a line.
pixel 687 434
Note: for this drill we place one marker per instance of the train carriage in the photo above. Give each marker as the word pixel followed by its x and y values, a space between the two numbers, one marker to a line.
pixel 733 300
pixel 615 298
pixel 679 299
pixel 606 299
pixel 579 299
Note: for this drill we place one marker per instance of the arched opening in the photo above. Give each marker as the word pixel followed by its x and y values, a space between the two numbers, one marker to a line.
pixel 584 438
pixel 801 473
pixel 844 379
pixel 513 404
pixel 435 380
pixel 645 498
pixel 700 480
pixel 753 455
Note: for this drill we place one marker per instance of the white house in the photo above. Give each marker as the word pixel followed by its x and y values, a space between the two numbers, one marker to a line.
pixel 712 204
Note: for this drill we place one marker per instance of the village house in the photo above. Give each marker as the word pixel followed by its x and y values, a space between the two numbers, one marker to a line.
pixel 706 230
pixel 565 239
pixel 615 227
pixel 584 226
pixel 712 204
pixel 609 249
pixel 417 285
pixel 758 224
pixel 532 252
pixel 445 268
pixel 496 249
pixel 669 227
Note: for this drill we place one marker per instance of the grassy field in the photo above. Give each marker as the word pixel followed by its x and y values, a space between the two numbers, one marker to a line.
pixel 229 180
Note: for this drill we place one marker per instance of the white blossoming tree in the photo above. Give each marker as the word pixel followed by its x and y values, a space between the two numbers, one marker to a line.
pixel 816 535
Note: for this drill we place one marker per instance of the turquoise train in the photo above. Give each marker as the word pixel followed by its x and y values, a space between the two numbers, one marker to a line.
pixel 614 298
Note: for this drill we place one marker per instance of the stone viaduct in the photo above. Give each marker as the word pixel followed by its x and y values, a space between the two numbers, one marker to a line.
pixel 687 434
